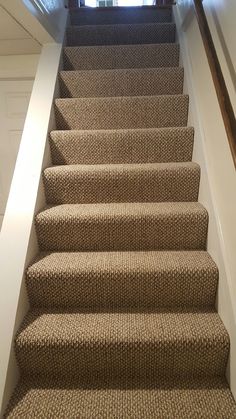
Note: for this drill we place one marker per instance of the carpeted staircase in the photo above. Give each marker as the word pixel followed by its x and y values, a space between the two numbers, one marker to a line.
pixel 122 321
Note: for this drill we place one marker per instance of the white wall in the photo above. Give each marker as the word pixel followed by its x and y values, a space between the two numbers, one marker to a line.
pixel 15 67
pixel 14 102
pixel 18 242
pixel 218 180
pixel 221 15
pixel 17 74
pixel 224 12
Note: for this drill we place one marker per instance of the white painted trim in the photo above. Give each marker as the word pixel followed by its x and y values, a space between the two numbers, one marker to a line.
pixel 208 197
pixel 18 243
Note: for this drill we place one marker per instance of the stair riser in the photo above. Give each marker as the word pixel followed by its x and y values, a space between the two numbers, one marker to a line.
pixel 109 83
pixel 114 147
pixel 180 232
pixel 122 56
pixel 128 359
pixel 103 17
pixel 118 113
pixel 121 34
pixel 102 185
pixel 110 290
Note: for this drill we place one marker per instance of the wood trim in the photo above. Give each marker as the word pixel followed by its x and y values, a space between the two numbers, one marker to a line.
pixel 218 77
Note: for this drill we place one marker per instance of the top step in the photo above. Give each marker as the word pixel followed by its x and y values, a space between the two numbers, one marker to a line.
pixel 113 15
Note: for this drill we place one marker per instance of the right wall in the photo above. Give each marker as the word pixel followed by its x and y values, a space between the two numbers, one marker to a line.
pixel 211 150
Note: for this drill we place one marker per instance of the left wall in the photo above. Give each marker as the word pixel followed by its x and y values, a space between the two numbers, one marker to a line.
pixel 17 73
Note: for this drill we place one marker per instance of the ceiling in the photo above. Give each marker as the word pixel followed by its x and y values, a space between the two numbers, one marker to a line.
pixel 14 39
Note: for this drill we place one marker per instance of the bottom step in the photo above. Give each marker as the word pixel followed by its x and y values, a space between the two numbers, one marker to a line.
pixel 175 399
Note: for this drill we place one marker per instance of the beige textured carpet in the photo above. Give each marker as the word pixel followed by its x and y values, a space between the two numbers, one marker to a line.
pixel 122 82
pixel 122 112
pixel 122 146
pixel 141 33
pixel 121 56
pixel 190 398
pixel 120 15
pixel 123 279
pixel 122 321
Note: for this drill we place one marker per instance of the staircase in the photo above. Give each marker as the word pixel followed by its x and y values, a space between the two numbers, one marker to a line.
pixel 122 321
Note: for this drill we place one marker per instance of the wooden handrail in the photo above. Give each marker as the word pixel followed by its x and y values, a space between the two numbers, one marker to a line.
pixel 226 107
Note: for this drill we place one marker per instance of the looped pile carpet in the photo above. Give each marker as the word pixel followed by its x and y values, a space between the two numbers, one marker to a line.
pixel 122 321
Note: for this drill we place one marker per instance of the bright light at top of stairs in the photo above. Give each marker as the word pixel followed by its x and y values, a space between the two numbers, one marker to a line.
pixel 134 2
pixel 93 3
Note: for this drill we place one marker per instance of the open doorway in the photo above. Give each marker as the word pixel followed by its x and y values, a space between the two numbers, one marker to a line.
pixel 111 3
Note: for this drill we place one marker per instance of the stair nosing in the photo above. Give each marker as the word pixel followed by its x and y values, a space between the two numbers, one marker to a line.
pixel 122 98
pixel 158 166
pixel 121 70
pixel 23 333
pixel 120 130
pixel 160 45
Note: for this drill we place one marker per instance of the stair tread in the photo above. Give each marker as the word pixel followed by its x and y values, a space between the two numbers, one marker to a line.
pixel 117 98
pixel 122 343
pixel 122 112
pixel 173 398
pixel 113 210
pixel 118 26
pixel 122 183
pixel 122 71
pixel 112 167
pixel 161 328
pixel 65 263
pixel 123 279
pixel 123 209
pixel 121 33
pixel 135 47
pixel 121 56
pixel 84 16
pixel 121 168
pixel 123 226
pixel 121 82
pixel 123 131
pixel 122 146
